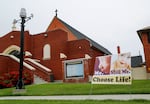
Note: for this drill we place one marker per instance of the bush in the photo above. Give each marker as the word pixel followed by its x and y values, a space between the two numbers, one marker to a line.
pixel 10 79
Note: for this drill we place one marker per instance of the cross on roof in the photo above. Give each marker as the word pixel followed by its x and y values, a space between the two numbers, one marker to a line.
pixel 56 12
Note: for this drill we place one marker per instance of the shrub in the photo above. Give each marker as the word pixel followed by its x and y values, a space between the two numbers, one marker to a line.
pixel 10 79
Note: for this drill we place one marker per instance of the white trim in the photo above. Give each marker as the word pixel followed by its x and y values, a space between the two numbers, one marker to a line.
pixel 74 62
pixel 87 56
pixel 27 53
pixel 11 48
pixel 46 58
pixel 36 60
pixel 78 59
pixel 62 55
pixel 38 64
pixel 46 52
pixel 17 60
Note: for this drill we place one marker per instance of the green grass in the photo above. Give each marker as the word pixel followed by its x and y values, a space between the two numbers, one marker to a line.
pixel 73 102
pixel 137 87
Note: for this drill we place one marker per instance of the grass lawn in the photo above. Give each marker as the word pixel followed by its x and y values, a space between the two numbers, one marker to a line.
pixel 73 102
pixel 137 87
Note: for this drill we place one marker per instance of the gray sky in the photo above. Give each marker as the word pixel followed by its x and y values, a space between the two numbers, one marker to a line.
pixel 108 22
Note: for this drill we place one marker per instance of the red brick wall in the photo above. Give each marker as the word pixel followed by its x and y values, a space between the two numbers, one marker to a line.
pixel 59 43
pixel 7 40
pixel 7 64
pixel 13 38
pixel 57 40
pixel 3 64
pixel 78 48
pixel 146 45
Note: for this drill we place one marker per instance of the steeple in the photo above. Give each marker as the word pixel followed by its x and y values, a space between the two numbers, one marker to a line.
pixel 14 25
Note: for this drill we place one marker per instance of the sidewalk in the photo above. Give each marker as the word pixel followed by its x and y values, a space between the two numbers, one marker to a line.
pixel 80 97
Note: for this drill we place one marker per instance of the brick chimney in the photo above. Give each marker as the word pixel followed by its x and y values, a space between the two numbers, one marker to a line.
pixel 118 49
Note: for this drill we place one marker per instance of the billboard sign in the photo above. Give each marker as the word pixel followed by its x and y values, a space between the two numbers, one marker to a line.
pixel 112 69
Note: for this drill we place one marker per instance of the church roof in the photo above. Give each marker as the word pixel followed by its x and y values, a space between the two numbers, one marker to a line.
pixel 79 35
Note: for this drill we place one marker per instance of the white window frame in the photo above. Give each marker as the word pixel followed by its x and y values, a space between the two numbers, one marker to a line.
pixel 46 52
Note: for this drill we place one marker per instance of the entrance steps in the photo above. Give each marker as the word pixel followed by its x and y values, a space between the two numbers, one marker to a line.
pixel 38 80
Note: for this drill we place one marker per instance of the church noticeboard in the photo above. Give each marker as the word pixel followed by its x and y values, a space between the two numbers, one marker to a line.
pixel 74 69
pixel 112 69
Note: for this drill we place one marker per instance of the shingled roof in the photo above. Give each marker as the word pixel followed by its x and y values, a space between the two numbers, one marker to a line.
pixel 79 35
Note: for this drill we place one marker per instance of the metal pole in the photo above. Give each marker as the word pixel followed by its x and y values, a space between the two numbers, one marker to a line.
pixel 20 84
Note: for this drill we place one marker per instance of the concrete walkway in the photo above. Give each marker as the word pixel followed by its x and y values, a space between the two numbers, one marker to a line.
pixel 80 97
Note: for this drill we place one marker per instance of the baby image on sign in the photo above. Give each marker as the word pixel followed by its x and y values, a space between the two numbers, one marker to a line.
pixel 102 65
pixel 121 64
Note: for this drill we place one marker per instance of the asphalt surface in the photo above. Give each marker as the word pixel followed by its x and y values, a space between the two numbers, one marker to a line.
pixel 80 97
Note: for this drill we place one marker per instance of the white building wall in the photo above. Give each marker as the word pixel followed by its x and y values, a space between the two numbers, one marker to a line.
pixel 139 73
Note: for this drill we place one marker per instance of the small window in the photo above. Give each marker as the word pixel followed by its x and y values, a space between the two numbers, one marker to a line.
pixel 46 52
pixel 148 37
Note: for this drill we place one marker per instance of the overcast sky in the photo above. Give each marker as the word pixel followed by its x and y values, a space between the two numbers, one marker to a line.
pixel 108 22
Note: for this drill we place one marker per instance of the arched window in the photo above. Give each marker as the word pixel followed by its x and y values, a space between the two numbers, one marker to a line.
pixel 46 52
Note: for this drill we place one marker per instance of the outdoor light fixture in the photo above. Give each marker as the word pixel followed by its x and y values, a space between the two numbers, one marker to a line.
pixel 23 13
pixel 24 18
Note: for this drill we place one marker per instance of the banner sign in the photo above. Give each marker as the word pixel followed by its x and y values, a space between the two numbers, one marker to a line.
pixel 112 69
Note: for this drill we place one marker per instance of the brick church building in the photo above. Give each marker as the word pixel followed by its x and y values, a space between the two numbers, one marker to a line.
pixel 61 53
pixel 144 35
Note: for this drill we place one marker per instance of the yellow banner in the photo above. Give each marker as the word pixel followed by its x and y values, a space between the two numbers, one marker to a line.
pixel 112 79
